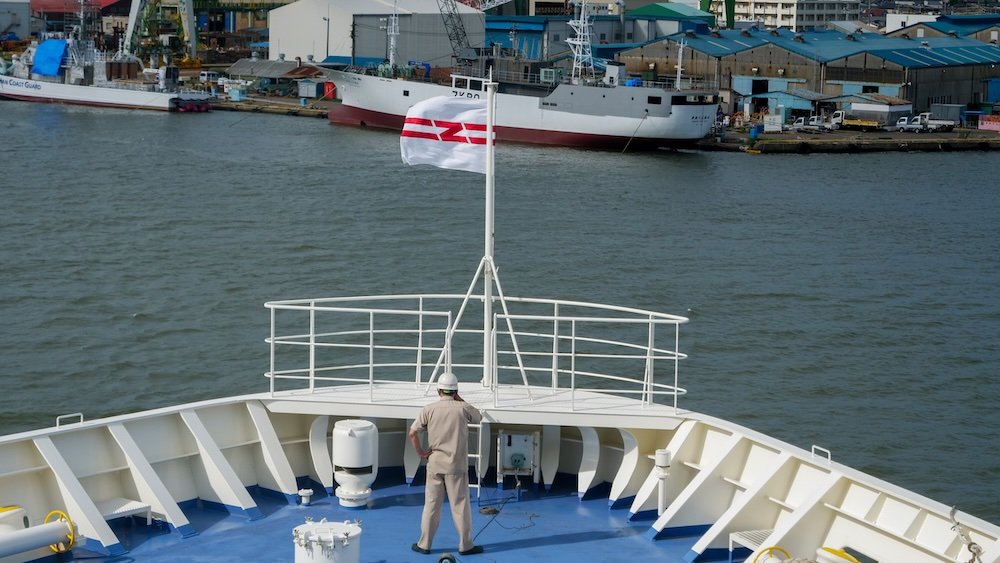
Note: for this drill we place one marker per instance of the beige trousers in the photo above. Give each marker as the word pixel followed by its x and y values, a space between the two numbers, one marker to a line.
pixel 457 487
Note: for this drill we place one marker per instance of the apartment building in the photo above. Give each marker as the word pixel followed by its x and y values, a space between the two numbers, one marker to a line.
pixel 798 15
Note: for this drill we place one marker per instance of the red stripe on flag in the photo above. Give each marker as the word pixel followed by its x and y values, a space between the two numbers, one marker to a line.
pixel 454 131
pixel 420 135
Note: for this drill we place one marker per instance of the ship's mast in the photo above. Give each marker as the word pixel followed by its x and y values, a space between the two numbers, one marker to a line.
pixel 583 59
pixel 392 32
pixel 680 63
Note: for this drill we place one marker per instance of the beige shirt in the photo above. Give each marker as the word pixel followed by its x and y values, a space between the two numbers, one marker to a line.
pixel 447 425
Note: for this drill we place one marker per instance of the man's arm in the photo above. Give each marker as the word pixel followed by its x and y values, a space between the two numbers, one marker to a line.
pixel 415 440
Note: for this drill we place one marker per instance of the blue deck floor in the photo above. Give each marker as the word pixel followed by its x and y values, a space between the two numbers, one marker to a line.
pixel 540 526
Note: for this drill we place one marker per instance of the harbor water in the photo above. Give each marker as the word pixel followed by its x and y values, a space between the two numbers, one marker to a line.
pixel 846 301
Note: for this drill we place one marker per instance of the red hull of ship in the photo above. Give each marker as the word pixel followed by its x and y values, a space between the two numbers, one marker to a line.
pixel 347 115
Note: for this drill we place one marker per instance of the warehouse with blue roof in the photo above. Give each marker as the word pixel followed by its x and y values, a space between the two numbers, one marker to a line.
pixel 983 27
pixel 748 63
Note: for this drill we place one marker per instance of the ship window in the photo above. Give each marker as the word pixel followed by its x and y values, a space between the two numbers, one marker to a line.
pixel 406 92
pixel 656 100
pixel 693 100
pixel 555 37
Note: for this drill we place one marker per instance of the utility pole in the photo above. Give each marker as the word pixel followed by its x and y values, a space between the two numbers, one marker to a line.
pixel 327 44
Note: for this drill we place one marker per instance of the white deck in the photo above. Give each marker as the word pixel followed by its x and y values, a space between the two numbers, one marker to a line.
pixel 508 405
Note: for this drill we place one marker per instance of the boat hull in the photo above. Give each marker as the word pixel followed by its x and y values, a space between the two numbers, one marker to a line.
pixel 100 96
pixel 578 116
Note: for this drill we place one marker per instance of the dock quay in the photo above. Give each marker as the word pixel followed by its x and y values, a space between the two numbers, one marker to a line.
pixel 789 142
pixel 274 106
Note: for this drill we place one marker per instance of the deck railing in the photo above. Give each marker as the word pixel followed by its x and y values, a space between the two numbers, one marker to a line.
pixel 562 346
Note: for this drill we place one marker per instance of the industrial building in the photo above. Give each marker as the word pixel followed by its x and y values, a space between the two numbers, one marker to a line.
pixel 749 63
pixel 355 31
pixel 982 27
pixel 544 38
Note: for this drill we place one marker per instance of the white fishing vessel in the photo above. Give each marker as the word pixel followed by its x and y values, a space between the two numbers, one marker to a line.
pixel 582 110
pixel 586 452
pixel 71 70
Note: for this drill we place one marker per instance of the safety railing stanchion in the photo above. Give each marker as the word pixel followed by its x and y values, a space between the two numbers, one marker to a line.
pixel 555 345
pixel 371 357
pixel 312 346
pixel 271 372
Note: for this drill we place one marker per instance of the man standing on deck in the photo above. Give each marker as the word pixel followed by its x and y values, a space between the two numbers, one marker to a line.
pixel 447 425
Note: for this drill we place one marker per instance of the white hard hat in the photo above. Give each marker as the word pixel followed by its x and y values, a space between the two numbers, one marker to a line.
pixel 448 382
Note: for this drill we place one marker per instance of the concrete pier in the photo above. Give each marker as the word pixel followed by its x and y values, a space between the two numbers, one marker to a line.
pixel 790 142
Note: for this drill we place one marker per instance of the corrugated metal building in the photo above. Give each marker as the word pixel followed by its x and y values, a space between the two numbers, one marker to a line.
pixel 983 27
pixel 544 37
pixel 750 62
pixel 323 29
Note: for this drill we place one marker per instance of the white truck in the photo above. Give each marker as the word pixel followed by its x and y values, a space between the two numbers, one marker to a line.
pixel 813 123
pixel 924 123
pixel 841 120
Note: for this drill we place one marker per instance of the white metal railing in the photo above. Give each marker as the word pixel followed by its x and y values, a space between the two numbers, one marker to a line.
pixel 565 346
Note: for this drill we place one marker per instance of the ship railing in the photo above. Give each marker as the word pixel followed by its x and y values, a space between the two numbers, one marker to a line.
pixel 686 83
pixel 537 349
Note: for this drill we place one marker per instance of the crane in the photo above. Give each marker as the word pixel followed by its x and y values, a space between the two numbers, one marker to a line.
pixel 140 7
pixel 462 51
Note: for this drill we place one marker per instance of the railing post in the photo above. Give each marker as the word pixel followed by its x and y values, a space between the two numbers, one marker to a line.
pixel 555 345
pixel 677 359
pixel 272 351
pixel 572 366
pixel 449 334
pixel 496 371
pixel 312 346
pixel 420 340
pixel 371 356
pixel 651 341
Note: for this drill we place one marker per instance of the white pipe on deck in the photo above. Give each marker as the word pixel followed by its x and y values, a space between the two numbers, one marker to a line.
pixel 20 541
pixel 662 462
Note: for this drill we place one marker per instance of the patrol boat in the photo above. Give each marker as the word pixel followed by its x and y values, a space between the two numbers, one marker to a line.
pixel 585 452
pixel 72 70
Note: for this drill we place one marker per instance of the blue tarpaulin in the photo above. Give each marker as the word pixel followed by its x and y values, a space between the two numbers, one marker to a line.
pixel 48 57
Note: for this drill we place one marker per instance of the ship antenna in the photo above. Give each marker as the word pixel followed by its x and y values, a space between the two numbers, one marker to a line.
pixel 392 32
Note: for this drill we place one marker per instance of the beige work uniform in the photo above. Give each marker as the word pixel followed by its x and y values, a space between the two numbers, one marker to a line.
pixel 446 422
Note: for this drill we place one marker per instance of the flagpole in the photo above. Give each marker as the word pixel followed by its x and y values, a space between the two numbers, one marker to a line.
pixel 491 88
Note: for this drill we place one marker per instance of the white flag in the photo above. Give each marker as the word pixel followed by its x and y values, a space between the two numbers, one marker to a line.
pixel 447 132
